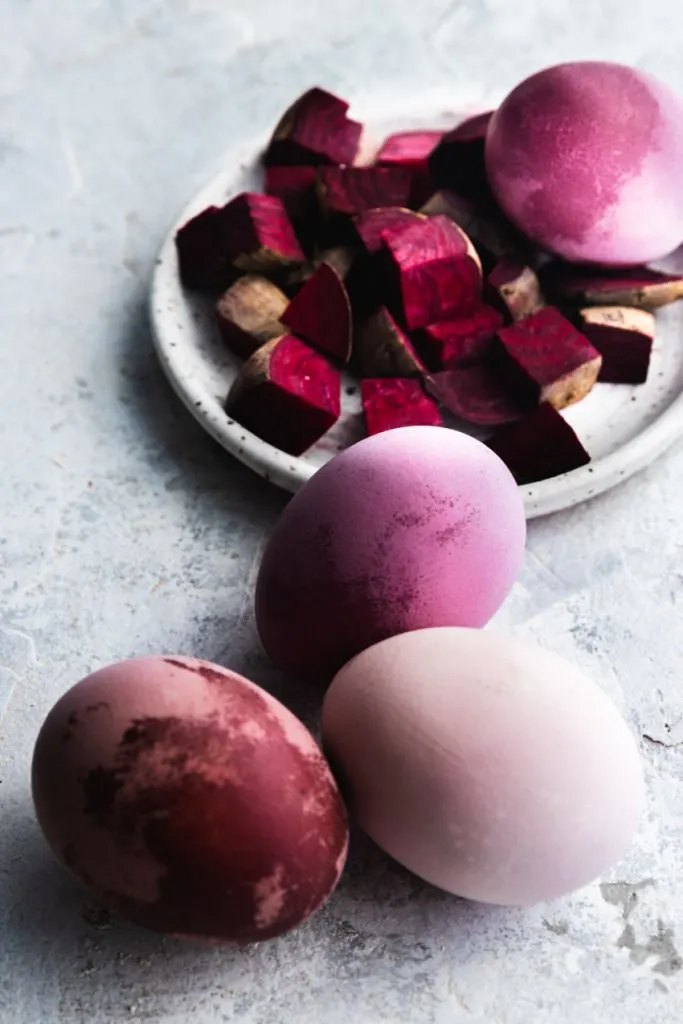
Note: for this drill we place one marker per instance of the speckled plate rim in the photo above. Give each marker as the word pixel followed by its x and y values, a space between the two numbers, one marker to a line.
pixel 289 472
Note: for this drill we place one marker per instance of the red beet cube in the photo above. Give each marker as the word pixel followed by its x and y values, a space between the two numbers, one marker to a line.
pixel 384 350
pixel 623 336
pixel 371 224
pixel 641 287
pixel 476 394
pixel 315 130
pixel 400 402
pixel 321 313
pixel 458 161
pixel 249 312
pixel 539 446
pixel 411 149
pixel 545 356
pixel 452 343
pixel 352 190
pixel 203 252
pixel 259 234
pixel 287 394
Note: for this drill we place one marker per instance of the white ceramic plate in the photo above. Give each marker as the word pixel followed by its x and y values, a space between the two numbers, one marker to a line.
pixel 623 428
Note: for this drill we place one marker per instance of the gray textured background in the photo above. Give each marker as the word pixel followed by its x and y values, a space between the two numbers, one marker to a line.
pixel 125 530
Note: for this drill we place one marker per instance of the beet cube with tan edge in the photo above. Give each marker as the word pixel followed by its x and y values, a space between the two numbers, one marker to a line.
pixel 320 313
pixel 352 190
pixel 260 235
pixel 477 394
pixel 546 357
pixel 514 287
pixel 462 342
pixel 538 446
pixel 640 287
pixel 458 161
pixel 249 312
pixel 315 130
pixel 286 394
pixel 202 250
pixel 382 349
pixel 623 337
pixel 432 273
pixel 397 402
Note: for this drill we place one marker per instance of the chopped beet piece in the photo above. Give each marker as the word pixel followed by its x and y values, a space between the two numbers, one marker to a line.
pixel 514 287
pixel 642 287
pixel 476 394
pixel 397 402
pixel 539 446
pixel 549 358
pixel 383 349
pixel 371 224
pixel 296 187
pixel 485 223
pixel 315 130
pixel 432 273
pixel 249 312
pixel 411 149
pixel 286 394
pixel 259 234
pixel 353 190
pixel 462 342
pixel 623 336
pixel 202 251
pixel 458 160
pixel 340 257
pixel 321 313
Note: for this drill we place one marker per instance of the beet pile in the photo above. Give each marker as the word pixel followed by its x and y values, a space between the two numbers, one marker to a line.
pixel 406 272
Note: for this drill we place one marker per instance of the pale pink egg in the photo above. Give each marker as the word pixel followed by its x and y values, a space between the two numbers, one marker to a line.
pixel 414 527
pixel 587 160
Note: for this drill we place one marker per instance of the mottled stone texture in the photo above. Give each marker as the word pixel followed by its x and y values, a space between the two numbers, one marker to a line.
pixel 126 531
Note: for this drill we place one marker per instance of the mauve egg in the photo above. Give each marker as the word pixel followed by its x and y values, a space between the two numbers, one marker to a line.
pixel 587 160
pixel 488 767
pixel 414 527
pixel 190 799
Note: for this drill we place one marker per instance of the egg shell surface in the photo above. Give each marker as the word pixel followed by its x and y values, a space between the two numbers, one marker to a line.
pixel 492 769
pixel 410 528
pixel 190 799
pixel 586 158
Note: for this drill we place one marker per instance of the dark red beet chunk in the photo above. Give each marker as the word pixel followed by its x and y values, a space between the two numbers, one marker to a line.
pixel 432 273
pixel 539 446
pixel 295 186
pixel 623 336
pixel 352 190
pixel 547 357
pixel 259 234
pixel 453 343
pixel 400 402
pixel 514 287
pixel 458 160
pixel 484 222
pixel 411 149
pixel 286 394
pixel 641 287
pixel 203 252
pixel 249 312
pixel 383 350
pixel 371 224
pixel 315 130
pixel 476 394
pixel 321 313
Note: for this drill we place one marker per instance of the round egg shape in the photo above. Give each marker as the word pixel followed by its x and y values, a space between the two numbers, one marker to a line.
pixel 492 769
pixel 586 159
pixel 410 528
pixel 191 800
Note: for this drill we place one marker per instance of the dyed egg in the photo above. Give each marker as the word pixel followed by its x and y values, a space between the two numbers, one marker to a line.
pixel 190 799
pixel 414 527
pixel 587 160
pixel 488 767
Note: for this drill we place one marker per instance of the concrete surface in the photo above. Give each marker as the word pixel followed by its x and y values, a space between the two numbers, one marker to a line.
pixel 125 530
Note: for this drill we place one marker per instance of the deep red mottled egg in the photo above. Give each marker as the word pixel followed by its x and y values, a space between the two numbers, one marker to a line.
pixel 190 799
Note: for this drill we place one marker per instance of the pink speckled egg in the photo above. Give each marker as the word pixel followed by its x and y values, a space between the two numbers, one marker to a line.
pixel 414 527
pixel 490 768
pixel 190 799
pixel 587 160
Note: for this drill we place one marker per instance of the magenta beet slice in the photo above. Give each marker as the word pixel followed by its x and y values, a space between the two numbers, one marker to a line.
pixel 352 190
pixel 547 357
pixel 641 287
pixel 203 252
pixel 452 343
pixel 514 287
pixel 458 161
pixel 539 446
pixel 295 186
pixel 321 313
pixel 371 224
pixel 623 336
pixel 315 130
pixel 384 350
pixel 260 236
pixel 400 402
pixel 249 312
pixel 476 394
pixel 411 149
pixel 432 273
pixel 286 394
